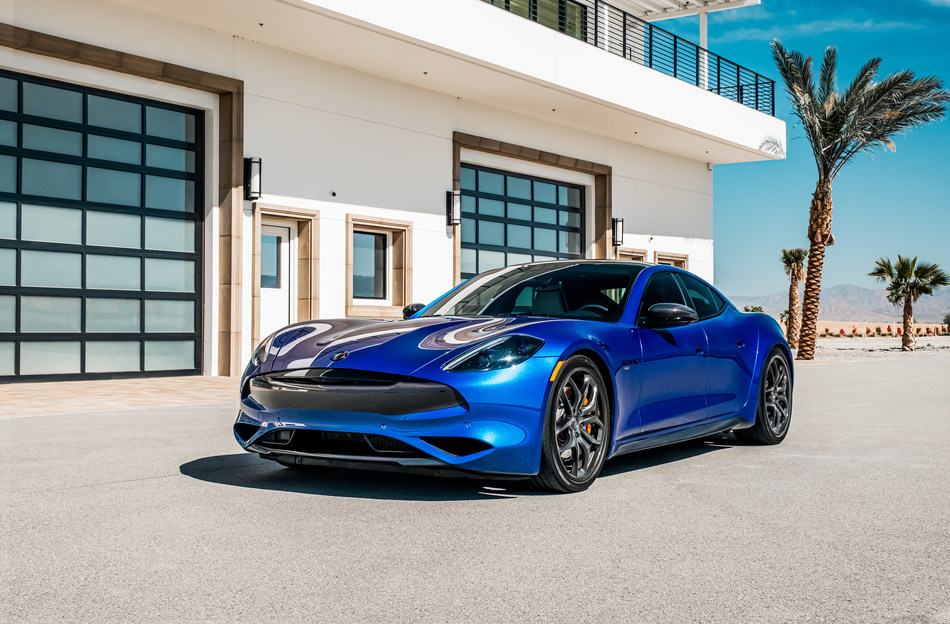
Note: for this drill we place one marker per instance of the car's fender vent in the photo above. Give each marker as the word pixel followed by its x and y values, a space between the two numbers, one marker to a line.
pixel 459 447
pixel 245 431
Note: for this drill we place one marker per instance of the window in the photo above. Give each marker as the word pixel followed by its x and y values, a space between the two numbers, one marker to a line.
pixel 584 291
pixel 705 301
pixel 100 232
pixel 661 289
pixel 270 261
pixel 680 261
pixel 631 255
pixel 378 266
pixel 510 218
pixel 369 265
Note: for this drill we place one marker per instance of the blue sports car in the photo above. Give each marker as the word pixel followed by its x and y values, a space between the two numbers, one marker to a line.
pixel 542 370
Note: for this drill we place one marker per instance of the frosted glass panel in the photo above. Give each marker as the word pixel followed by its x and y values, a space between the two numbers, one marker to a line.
pixel 113 272
pixel 49 358
pixel 169 194
pixel 169 275
pixel 169 158
pixel 50 268
pixel 8 94
pixel 52 225
pixel 468 261
pixel 169 316
pixel 7 267
pixel 113 315
pixel 7 313
pixel 109 229
pixel 169 355
pixel 169 234
pixel 110 357
pixel 8 133
pixel 7 220
pixel 170 124
pixel 50 314
pixel 52 140
pixel 52 102
pixel 50 179
pixel 113 187
pixel 117 114
pixel 107 148
pixel 6 358
pixel 8 174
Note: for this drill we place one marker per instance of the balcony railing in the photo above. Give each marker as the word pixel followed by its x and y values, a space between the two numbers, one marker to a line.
pixel 612 29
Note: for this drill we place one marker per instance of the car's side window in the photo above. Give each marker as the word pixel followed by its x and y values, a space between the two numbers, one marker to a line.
pixel 661 289
pixel 705 301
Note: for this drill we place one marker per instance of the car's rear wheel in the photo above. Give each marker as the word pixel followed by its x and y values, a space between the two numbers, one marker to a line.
pixel 576 428
pixel 774 413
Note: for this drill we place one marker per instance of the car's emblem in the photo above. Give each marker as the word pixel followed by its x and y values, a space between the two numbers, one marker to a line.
pixel 339 356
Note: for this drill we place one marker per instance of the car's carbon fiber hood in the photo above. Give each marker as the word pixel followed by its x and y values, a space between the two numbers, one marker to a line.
pixel 399 347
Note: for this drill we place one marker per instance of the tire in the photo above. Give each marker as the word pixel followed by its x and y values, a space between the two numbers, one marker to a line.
pixel 774 412
pixel 575 437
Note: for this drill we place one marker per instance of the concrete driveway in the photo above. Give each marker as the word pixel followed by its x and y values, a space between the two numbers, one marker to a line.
pixel 155 515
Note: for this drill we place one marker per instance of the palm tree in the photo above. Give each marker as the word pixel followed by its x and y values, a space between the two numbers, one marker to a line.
pixel 906 282
pixel 794 262
pixel 752 309
pixel 839 126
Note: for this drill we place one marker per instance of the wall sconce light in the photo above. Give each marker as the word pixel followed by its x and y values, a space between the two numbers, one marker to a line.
pixel 617 227
pixel 453 207
pixel 252 178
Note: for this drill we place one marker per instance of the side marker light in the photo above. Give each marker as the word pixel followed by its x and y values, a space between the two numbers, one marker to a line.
pixel 557 367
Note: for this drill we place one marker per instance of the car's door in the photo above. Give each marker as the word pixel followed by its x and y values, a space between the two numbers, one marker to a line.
pixel 731 341
pixel 673 367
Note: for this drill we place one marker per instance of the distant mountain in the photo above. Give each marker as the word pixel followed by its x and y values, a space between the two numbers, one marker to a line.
pixel 853 303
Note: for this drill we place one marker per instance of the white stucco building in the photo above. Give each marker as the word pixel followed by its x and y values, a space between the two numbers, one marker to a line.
pixel 131 242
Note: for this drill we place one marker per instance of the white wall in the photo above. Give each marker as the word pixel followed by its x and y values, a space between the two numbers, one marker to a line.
pixel 384 147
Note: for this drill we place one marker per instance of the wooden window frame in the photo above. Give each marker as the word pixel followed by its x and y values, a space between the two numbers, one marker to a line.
pixel 672 258
pixel 632 255
pixel 400 256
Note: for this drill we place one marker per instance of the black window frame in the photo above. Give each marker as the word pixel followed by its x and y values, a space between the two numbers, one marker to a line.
pixel 197 177
pixel 505 198
pixel 685 288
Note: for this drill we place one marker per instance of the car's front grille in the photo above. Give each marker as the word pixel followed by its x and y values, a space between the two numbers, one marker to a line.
pixel 342 390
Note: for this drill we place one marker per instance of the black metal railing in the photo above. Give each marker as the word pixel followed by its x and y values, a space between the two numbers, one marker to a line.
pixel 612 29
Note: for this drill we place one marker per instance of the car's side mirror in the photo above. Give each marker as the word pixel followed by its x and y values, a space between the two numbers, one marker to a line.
pixel 670 315
pixel 411 309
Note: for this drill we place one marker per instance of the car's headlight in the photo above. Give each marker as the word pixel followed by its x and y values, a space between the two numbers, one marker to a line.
pixel 495 354
pixel 260 353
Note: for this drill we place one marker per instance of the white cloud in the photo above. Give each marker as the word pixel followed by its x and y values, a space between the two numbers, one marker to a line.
pixel 816 27
pixel 943 3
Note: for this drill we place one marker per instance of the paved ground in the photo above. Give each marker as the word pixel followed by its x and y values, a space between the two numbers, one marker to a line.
pixel 153 515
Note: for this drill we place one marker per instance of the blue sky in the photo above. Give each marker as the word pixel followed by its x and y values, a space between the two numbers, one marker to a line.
pixel 884 203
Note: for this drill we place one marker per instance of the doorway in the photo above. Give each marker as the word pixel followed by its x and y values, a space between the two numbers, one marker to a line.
pixel 278 283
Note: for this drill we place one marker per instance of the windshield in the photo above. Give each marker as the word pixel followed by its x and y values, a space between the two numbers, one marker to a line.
pixel 581 290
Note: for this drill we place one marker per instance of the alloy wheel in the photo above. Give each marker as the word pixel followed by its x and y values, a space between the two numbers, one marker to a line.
pixel 579 429
pixel 777 395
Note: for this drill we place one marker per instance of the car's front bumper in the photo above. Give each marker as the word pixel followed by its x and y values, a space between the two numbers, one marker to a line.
pixel 485 422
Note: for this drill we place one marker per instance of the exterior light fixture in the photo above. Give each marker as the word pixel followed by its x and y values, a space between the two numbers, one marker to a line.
pixel 252 178
pixel 453 207
pixel 617 227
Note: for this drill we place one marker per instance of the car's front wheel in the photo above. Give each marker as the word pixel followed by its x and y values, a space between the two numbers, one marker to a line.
pixel 774 413
pixel 576 428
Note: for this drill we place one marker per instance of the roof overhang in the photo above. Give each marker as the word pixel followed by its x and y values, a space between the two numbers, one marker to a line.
pixel 656 10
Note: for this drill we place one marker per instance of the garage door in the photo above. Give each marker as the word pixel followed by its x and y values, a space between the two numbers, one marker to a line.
pixel 100 233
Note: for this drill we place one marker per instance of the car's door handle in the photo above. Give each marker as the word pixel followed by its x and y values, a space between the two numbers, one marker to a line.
pixel 740 344
pixel 699 350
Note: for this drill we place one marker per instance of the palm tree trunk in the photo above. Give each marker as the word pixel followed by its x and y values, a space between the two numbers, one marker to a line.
pixel 908 342
pixel 794 311
pixel 819 235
